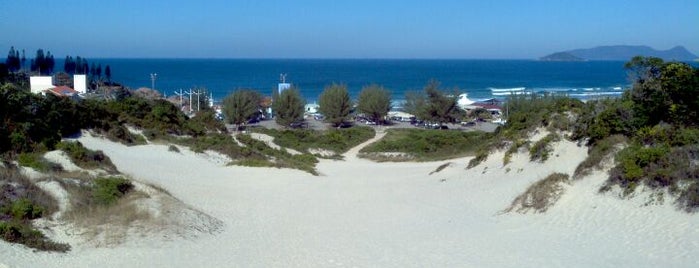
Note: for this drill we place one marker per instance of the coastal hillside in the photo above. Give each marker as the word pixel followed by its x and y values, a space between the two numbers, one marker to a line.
pixel 621 53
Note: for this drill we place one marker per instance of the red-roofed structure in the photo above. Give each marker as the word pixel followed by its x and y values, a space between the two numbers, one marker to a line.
pixel 62 91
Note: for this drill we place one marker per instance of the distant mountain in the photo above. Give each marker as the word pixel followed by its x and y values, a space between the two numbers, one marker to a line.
pixel 562 56
pixel 677 53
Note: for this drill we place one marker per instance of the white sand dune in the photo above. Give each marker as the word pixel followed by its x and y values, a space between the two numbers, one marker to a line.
pixel 365 214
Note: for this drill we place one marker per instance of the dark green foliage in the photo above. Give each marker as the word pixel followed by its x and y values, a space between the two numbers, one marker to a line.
pixel 173 148
pixel 22 233
pixel 20 202
pixel 281 158
pixel 241 106
pixel 433 105
pixel 23 209
pixel 441 107
pixel 597 152
pixel 32 122
pixel 107 190
pixel 527 112
pixel 375 102
pixel 288 107
pixel 37 162
pixel 43 63
pixel 415 103
pixel 481 155
pixel 427 145
pixel 13 62
pixel 689 198
pixel 335 104
pixel 541 149
pixel 336 140
pixel 603 118
pixel 84 157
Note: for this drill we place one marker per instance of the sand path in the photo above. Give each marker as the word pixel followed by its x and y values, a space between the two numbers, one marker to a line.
pixel 365 214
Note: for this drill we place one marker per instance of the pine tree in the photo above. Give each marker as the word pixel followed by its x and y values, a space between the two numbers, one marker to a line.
pixel 288 107
pixel 23 60
pixel 108 73
pixel 335 104
pixel 241 106
pixel 375 102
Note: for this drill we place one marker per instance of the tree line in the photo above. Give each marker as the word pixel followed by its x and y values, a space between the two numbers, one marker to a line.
pixel 44 64
pixel 433 104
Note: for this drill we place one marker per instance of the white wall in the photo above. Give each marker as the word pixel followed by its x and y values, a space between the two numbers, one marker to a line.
pixel 80 83
pixel 38 84
pixel 282 87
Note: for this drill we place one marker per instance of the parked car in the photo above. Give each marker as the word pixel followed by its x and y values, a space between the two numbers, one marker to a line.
pixel 298 125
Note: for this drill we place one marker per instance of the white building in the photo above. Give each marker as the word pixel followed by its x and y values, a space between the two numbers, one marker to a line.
pixel 38 84
pixel 80 83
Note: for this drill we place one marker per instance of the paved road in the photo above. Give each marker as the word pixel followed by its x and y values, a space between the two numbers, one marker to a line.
pixel 319 125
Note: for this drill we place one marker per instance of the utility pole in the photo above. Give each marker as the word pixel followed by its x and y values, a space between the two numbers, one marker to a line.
pixel 153 77
pixel 198 92
pixel 190 99
pixel 179 94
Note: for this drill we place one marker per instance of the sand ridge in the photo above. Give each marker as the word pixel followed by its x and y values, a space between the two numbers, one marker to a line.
pixel 365 214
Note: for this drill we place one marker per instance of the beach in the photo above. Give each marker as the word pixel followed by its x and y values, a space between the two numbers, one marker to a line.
pixel 359 213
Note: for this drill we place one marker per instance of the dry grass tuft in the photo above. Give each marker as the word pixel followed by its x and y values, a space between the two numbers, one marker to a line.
pixel 441 167
pixel 541 195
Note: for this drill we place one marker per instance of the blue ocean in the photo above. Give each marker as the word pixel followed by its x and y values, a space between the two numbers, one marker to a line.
pixel 479 78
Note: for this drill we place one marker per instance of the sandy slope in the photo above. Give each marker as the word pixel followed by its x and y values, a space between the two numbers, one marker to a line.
pixel 365 214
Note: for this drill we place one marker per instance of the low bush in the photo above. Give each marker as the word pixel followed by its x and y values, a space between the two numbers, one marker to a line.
pixel 23 209
pixel 23 233
pixel 514 148
pixel 173 148
pixel 429 145
pixel 541 195
pixel 84 157
pixel 37 162
pixel 282 158
pixel 107 190
pixel 481 155
pixel 541 149
pixel 336 140
pixel 597 152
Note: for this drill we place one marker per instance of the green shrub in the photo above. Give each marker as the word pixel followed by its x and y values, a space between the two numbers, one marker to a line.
pixel 540 195
pixel 336 140
pixel 107 190
pixel 481 155
pixel 23 209
pixel 37 162
pixel 173 148
pixel 597 152
pixel 84 157
pixel 429 145
pixel 689 198
pixel 23 233
pixel 541 149
pixel 518 143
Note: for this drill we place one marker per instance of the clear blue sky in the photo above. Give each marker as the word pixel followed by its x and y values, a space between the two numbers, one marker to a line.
pixel 342 29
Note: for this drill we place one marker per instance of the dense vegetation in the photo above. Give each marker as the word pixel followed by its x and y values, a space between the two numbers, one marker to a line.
pixel 651 131
pixel 337 141
pixel 526 114
pixel 374 102
pixel 20 202
pixel 241 106
pixel 288 107
pixel 335 104
pixel 433 104
pixel 425 145
pixel 658 116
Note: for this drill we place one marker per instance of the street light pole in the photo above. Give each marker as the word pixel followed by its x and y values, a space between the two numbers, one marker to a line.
pixel 153 76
